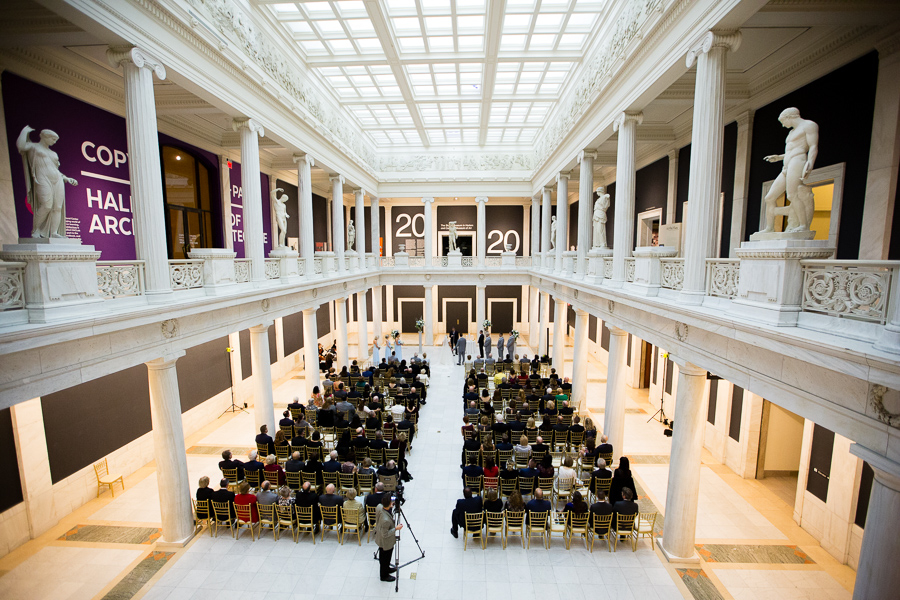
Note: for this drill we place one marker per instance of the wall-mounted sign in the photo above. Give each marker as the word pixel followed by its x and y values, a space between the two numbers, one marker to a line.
pixel 236 194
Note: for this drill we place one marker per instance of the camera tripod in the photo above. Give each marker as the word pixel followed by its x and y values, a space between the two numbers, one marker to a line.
pixel 398 513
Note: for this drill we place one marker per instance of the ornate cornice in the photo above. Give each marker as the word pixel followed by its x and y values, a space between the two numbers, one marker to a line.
pixel 74 256
pixel 797 253
pixel 456 162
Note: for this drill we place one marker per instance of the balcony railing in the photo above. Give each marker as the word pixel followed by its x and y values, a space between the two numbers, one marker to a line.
pixel 672 276
pixel 12 285
pixel 524 261
pixel 273 268
pixel 722 277
pixel 468 261
pixel 849 289
pixel 629 269
pixel 120 278
pixel 185 274
pixel 317 265
pixel 439 261
pixel 387 261
pixel 607 268
pixel 241 270
pixel 301 267
pixel 417 262
pixel 492 261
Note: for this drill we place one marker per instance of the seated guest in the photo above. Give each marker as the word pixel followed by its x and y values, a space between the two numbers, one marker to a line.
pixel 625 506
pixel 467 504
pixel 228 462
pixel 601 473
pixel 286 420
pixel 530 427
pixel 389 424
pixel 294 464
pixel 273 466
pixel 280 439
pixel 351 503
pixel 223 494
pixel 515 502
pixel 341 422
pixel 566 471
pixel 307 497
pixel 366 468
pixel 491 502
pixel 621 479
pixel 467 427
pixel 314 442
pixel 284 497
pixel 301 426
pixel 576 427
pixel 566 409
pixel 509 470
pixel 600 508
pixel 204 492
pixel 329 498
pixel 605 447
pixel 265 495
pixel 546 427
pixel 332 465
pixel 378 444
pixel 472 469
pixel 314 466
pixel 589 451
pixel 296 405
pixel 252 464
pixel 374 499
pixel 400 444
pixel 566 385
pixel 529 471
pixel 545 468
pixel 540 447
pixel 348 467
pixel 388 469
pixel 537 503
pixel 504 443
pixel 516 425
pixel 246 498
pixel 360 441
pixel 266 439
pixel 499 427
pixel 490 469
pixel 522 448
pixel 405 426
pixel 344 443
pixel 472 412
pixel 590 430
pixel 577 506
pixel 561 430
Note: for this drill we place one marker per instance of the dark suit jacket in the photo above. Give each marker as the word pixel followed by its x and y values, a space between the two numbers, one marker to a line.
pixel 604 448
pixel 535 505
pixel 265 438
pixel 600 509
pixel 540 448
pixel 494 506
pixel 623 508
pixel 374 499
pixel 233 464
pixel 253 465
pixel 204 494
pixel 331 466
pixel 378 444
pixel 472 471
pixel 468 505
pixel 293 466
pixel 224 495
pixel 310 498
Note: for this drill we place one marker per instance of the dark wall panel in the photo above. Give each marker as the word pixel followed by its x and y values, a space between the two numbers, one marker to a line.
pixel 203 372
pixel 651 185
pixel 246 359
pixel 456 291
pixel 273 346
pixel 86 422
pixel 737 410
pixel 611 215
pixel 843 139
pixel 592 328
pixel 320 220
pixel 713 400
pixel 505 291
pixel 293 333
pixel 573 225
pixel 684 176
pixel 323 319
pixel 570 317
pixel 411 313
pixel 820 454
pixel 604 337
pixel 729 154
pixel 894 250
pixel 11 490
pixel 407 291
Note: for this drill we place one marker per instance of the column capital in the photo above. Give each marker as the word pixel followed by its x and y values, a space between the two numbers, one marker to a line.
pixel 560 302
pixel 730 40
pixel 673 155
pixel 262 327
pixel 359 192
pixel 480 287
pixel 547 189
pixel 240 123
pixel 616 331
pixel 687 368
pixel 627 117
pixel 481 199
pixel 582 313
pixel 536 199
pixel 428 200
pixel 341 299
pixel 592 154
pixel 745 119
pixel 304 157
pixel 562 175
pixel 117 55
pixel 886 470
pixel 310 311
pixel 374 200
pixel 165 361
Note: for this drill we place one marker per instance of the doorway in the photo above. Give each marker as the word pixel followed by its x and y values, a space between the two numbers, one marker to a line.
pixel 410 312
pixel 456 315
pixel 464 243
pixel 501 314
pixel 646 363
pixel 187 196
pixel 648 227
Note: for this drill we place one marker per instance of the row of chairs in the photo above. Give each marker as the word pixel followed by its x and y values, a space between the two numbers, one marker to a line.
pixel 362 483
pixel 543 525
pixel 561 488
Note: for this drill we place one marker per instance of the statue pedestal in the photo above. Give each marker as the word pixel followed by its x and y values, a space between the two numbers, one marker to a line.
pixel 508 259
pixel 353 255
pixel 401 259
pixel 454 259
pixel 60 277
pixel 771 280
pixel 328 262
pixel 218 268
pixel 596 258
pixel 569 263
pixel 288 272
pixel 648 269
pixel 760 236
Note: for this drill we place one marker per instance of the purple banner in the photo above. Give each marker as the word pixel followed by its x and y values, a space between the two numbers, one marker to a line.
pixel 237 210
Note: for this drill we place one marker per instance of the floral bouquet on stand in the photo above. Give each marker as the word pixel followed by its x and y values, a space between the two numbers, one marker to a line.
pixel 514 334
pixel 420 325
pixel 395 334
pixel 486 324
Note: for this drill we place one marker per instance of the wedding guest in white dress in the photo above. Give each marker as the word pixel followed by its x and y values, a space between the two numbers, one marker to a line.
pixel 376 351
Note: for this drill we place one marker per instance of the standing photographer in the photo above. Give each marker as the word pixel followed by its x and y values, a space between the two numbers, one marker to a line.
pixel 385 537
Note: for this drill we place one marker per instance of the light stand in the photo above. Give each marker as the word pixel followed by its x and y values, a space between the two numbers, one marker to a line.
pixel 234 407
pixel 662 398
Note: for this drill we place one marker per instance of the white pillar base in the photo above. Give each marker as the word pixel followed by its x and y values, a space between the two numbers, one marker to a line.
pixel 288 270
pixel 218 269
pixel 454 259
pixel 401 260
pixel 691 560
pixel 648 269
pixel 508 259
pixel 177 544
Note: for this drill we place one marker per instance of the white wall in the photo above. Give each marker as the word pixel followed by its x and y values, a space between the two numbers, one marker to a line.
pixel 784 440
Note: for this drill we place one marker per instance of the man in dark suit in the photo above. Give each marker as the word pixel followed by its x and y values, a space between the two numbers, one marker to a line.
pixel 560 430
pixel 253 464
pixel 307 496
pixel 454 337
pixel 296 405
pixel 605 447
pixel 314 466
pixel 374 499
pixel 294 464
pixel 265 438
pixel 228 462
pixel 377 446
pixel 333 464
pixel 480 343
pixel 537 504
pixel 529 471
pixel 566 409
pixel 224 495
pixel 601 473
pixel 540 447
pixel 329 498
pixel 360 440
pixel 286 420
pixel 625 506
pixel 500 427
pixel 600 508
pixel 472 470
pixel 467 504
pixel 470 444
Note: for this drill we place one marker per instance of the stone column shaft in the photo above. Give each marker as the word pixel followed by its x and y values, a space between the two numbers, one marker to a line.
pixel 559 337
pixel 375 217
pixel 672 187
pixel 306 219
pixel 377 313
pixel 741 182
pixel 361 227
pixel 562 219
pixel 707 139
pixel 34 466
pixel 545 324
pixel 684 465
pixel 580 361
pixel 623 227
pixel 144 165
pixel 534 310
pixel 480 313
pixel 340 306
pixel 428 333
pixel 546 213
pixel 254 242
pixel 429 241
pixel 263 399
pixel 337 221
pixel 585 210
pixel 310 350
pixel 481 229
pixel 362 328
pixel 535 225
pixel 168 444
pixel 616 391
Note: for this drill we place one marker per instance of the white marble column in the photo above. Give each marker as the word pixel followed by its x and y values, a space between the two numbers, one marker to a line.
pixel 304 185
pixel 481 229
pixel 562 218
pixel 429 241
pixel 428 333
pixel 545 324
pixel 310 350
pixel 343 346
pixel 168 449
pixel 362 328
pixel 684 465
pixel 585 210
pixel 580 361
pixel 707 139
pixel 884 156
pixel 877 575
pixel 377 312
pixel 263 398
pixel 535 225
pixel 560 324
pixel 144 165
pixel 534 311
pixel 616 390
pixel 480 314
pixel 337 221
pixel 375 218
pixel 623 225
pixel 254 241
pixel 741 181
pixel 546 213
pixel 672 186
pixel 361 227
pixel 34 466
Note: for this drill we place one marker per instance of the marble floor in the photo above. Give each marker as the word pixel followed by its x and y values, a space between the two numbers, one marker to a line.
pixel 734 511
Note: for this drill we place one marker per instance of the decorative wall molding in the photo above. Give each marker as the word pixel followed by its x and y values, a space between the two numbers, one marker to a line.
pixel 456 162
pixel 169 328
pixel 877 395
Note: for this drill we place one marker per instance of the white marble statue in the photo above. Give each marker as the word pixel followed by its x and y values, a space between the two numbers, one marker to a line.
pixel 601 205
pixel 553 232
pixel 800 150
pixel 451 228
pixel 44 183
pixel 281 215
pixel 351 235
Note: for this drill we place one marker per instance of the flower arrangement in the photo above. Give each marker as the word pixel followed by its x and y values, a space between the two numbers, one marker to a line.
pixel 420 324
pixel 514 334
pixel 486 324
pixel 395 334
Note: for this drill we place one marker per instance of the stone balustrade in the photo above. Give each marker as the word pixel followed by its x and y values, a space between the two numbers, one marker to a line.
pixel 722 277
pixel 12 285
pixel 850 289
pixel 186 274
pixel 119 278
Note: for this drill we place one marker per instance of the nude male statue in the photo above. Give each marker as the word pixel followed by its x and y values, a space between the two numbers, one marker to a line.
pixel 553 232
pixel 45 184
pixel 600 208
pixel 281 216
pixel 451 228
pixel 351 235
pixel 800 150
